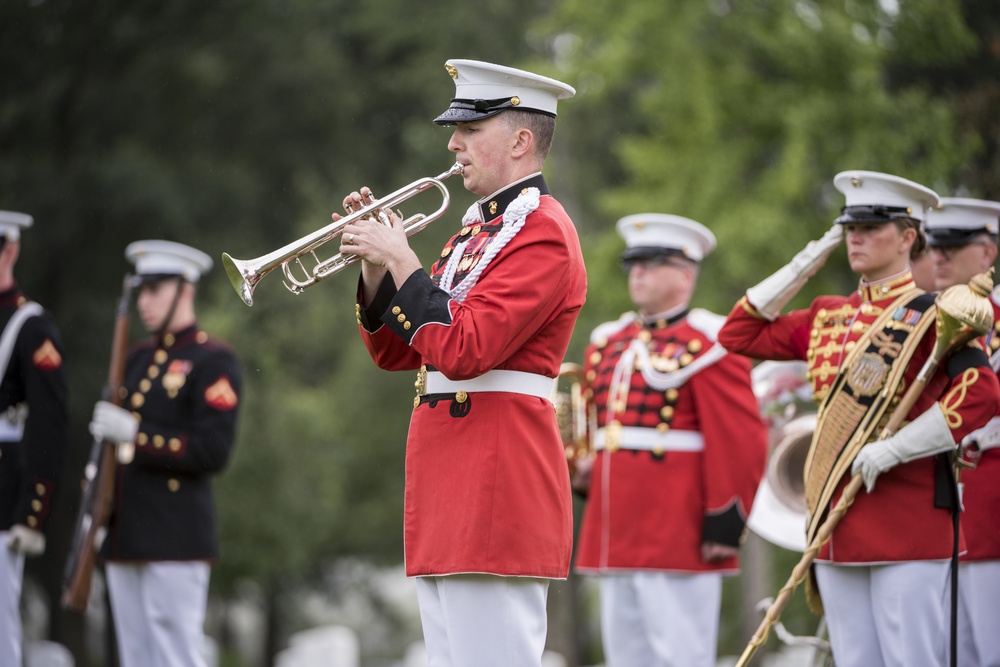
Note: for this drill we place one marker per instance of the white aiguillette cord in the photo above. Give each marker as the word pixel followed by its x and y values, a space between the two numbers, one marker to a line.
pixel 513 220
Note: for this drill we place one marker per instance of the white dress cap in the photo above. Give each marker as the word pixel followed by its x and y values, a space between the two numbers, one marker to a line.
pixel 483 90
pixel 957 221
pixel 874 197
pixel 165 258
pixel 11 223
pixel 650 234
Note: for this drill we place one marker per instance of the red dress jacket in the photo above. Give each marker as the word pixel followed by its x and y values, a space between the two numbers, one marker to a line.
pixel 487 483
pixel 981 497
pixel 651 508
pixel 906 516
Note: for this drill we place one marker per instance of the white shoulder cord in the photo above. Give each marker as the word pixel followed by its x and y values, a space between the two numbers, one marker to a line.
pixel 17 320
pixel 513 220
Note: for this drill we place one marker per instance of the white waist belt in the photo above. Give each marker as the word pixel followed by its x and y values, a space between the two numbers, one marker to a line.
pixel 513 382
pixel 649 439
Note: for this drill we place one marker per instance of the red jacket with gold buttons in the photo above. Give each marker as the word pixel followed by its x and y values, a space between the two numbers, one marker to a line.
pixel 981 497
pixel 487 487
pixel 668 383
pixel 907 515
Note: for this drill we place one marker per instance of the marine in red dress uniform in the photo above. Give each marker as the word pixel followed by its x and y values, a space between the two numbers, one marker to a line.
pixel 487 497
pixel 681 450
pixel 962 236
pixel 905 518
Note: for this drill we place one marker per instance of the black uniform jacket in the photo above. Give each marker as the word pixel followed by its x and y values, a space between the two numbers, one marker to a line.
pixel 185 389
pixel 35 379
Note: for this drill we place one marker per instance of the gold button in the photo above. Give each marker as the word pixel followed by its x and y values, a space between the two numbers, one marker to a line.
pixel 153 372
pixel 524 191
pixel 591 375
pixel 446 251
pixel 173 485
pixel 821 314
pixel 141 439
pixel 601 342
pixel 144 385
pixel 657 451
pixel 138 400
pixel 158 441
pixel 663 428
pixel 36 505
pixel 160 356
pixel 39 489
pixel 461 396
pixel 814 333
pixel 407 326
pixel 174 444
pixel 686 359
pixel 416 401
pixel 671 395
pixel 169 340
pixel 396 310
pixel 32 521
pixel 515 100
pixel 694 346
pixel 202 337
pixel 667 412
pixel 851 344
pixel 810 353
pixel 476 229
pixel 465 231
pixel 401 317
pixel 595 357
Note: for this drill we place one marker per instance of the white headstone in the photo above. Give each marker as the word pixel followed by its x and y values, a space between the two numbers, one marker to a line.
pixel 325 646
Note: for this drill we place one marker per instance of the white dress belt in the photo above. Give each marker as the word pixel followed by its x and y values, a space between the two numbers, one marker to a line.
pixel 648 439
pixel 513 382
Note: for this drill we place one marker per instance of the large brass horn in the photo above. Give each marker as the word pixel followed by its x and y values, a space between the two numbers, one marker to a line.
pixel 779 509
pixel 244 274
pixel 575 418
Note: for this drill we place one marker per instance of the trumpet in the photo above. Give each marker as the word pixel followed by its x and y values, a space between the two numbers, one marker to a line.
pixel 244 274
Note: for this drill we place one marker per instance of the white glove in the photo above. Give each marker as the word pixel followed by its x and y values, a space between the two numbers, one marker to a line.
pixel 926 435
pixel 984 438
pixel 112 423
pixel 771 295
pixel 24 540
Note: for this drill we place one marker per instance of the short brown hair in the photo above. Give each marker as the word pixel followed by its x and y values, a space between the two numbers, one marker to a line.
pixel 920 242
pixel 542 127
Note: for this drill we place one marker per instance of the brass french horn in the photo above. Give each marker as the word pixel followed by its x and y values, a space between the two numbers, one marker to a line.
pixel 779 509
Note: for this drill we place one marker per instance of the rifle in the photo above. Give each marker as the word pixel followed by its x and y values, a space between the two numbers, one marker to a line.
pixel 99 474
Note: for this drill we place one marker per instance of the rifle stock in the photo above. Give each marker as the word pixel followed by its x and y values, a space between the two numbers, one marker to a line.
pixel 99 475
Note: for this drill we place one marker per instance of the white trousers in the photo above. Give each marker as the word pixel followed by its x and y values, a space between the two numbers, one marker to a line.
pixel 891 615
pixel 473 620
pixel 159 612
pixel 660 619
pixel 979 614
pixel 11 573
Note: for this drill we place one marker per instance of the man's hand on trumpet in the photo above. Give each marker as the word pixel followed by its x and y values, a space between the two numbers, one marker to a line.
pixel 383 247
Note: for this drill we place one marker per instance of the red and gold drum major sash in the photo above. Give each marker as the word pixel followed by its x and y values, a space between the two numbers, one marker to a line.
pixel 868 380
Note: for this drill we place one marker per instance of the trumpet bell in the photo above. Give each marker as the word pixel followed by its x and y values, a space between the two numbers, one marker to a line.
pixel 241 276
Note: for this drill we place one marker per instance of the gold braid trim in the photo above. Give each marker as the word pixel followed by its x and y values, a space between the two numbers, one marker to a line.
pixel 956 396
